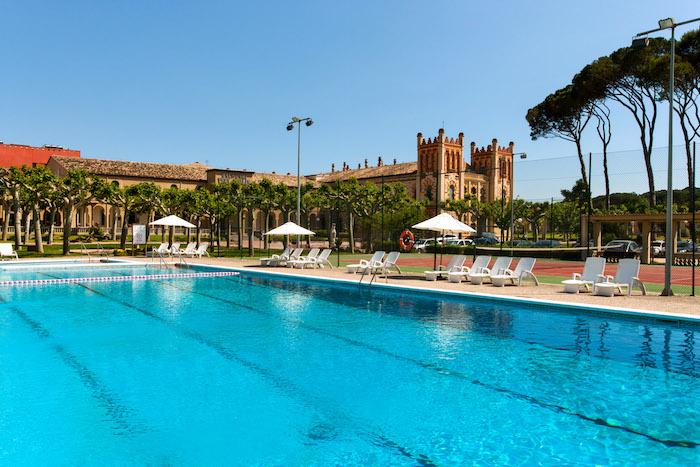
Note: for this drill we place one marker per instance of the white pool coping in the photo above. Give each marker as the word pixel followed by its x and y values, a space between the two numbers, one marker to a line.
pixel 640 313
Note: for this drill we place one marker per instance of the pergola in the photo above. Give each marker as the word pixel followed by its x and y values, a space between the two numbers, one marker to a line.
pixel 644 223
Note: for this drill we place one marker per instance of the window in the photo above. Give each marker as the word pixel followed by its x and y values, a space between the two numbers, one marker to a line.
pixel 452 192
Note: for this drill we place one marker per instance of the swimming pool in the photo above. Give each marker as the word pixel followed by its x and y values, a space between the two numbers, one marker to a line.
pixel 271 371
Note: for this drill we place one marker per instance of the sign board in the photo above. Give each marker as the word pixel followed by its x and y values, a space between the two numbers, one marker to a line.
pixel 138 234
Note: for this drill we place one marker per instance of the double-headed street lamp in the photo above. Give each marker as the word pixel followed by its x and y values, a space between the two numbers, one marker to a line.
pixel 640 41
pixel 290 126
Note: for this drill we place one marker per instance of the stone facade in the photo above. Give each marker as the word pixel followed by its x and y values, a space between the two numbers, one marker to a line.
pixel 439 173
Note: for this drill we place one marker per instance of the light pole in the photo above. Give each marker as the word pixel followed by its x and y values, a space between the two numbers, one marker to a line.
pixel 290 126
pixel 512 180
pixel 641 40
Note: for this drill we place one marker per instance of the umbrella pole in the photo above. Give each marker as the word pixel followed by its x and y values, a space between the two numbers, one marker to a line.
pixel 442 250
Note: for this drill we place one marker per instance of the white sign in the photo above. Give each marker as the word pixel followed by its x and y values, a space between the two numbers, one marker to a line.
pixel 138 234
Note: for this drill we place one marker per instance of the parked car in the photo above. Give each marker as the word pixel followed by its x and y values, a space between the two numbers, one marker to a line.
pixel 486 241
pixel 658 248
pixel 421 245
pixel 547 243
pixel 621 249
pixel 522 243
pixel 460 242
pixel 684 246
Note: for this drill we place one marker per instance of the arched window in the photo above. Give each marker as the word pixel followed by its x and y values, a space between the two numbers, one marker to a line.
pixel 474 191
pixel 452 192
pixel 115 183
pixel 483 195
pixel 173 186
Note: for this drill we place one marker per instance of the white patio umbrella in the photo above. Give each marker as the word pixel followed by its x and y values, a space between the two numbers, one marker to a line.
pixel 288 228
pixel 172 221
pixel 443 223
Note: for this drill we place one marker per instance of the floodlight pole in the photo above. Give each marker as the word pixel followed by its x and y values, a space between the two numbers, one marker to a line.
pixel 669 23
pixel 290 126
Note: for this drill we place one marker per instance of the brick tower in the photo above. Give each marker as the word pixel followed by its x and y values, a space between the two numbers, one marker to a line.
pixel 496 164
pixel 440 169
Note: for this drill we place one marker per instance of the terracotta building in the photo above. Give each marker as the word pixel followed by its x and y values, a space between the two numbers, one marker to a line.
pixel 18 155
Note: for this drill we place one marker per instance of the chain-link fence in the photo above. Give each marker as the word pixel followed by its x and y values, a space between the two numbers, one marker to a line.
pixel 625 219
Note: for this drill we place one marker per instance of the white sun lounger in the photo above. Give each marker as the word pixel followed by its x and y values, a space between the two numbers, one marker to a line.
pixel 478 265
pixel 455 265
pixel 499 267
pixel 294 263
pixel 522 271
pixel 201 250
pixel 7 251
pixel 282 260
pixel 161 251
pixel 284 254
pixel 189 250
pixel 388 264
pixel 627 277
pixel 593 272
pixel 320 261
pixel 174 249
pixel 364 264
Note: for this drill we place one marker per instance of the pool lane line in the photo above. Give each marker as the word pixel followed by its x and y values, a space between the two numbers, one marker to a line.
pixel 458 374
pixel 285 386
pixel 117 412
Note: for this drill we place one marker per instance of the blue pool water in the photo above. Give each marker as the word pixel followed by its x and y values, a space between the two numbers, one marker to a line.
pixel 86 270
pixel 250 370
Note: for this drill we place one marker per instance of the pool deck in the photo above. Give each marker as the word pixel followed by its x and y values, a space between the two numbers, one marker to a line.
pixel 679 306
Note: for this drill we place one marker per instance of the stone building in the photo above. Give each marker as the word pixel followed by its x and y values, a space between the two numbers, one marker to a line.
pixel 439 173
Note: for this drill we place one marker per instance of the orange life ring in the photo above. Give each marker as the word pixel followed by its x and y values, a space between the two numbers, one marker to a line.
pixel 406 240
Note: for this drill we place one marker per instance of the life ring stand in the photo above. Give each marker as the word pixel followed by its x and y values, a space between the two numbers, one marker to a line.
pixel 406 240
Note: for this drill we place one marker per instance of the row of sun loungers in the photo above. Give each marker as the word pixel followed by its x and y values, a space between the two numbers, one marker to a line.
pixel 7 251
pixel 293 259
pixel 593 278
pixel 191 250
pixel 378 264
pixel 499 274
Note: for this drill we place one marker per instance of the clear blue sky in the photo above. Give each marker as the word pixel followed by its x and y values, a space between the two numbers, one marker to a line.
pixel 218 81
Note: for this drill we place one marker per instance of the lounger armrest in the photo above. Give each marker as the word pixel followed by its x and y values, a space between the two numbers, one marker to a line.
pixel 485 271
pixel 508 272
pixel 576 275
pixel 600 278
pixel 609 278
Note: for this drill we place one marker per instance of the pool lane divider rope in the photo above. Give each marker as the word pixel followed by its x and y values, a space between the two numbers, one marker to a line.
pixel 141 277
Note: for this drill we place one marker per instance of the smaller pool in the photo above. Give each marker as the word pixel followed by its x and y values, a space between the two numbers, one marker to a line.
pixel 57 271
pixel 27 264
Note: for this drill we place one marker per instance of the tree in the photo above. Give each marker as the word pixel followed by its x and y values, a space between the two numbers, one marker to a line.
pixel 459 206
pixel 74 190
pixel 479 212
pixel 635 78
pixel 147 200
pixel 687 92
pixel 604 130
pixel 39 184
pixel 563 114
pixel 251 193
pixel 12 182
pixel 533 214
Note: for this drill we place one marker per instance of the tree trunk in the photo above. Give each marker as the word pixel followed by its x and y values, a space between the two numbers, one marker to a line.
pixel 228 232
pixel 114 223
pixel 27 226
pixel 37 230
pixel 351 228
pixel 251 248
pixel 18 218
pixel 67 227
pixel 240 229
pixel 607 178
pixel 125 229
pixel 198 231
pixel 6 222
pixel 650 173
pixel 52 227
